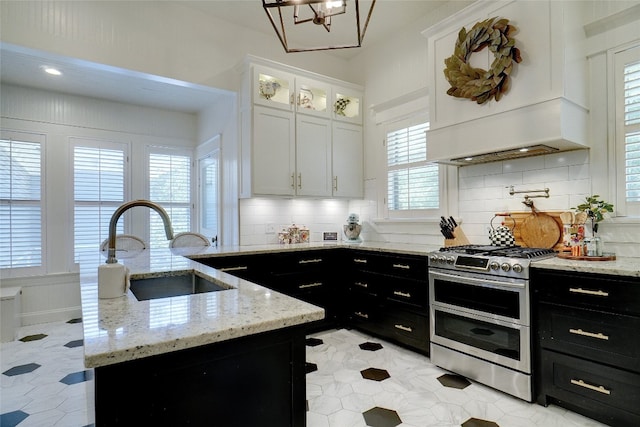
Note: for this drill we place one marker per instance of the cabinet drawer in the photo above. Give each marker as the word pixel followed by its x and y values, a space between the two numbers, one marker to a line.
pixel 605 337
pixel 405 291
pixel 365 313
pixel 405 266
pixel 408 328
pixel 605 393
pixel 363 283
pixel 609 293
pixel 362 261
pixel 301 261
pixel 298 283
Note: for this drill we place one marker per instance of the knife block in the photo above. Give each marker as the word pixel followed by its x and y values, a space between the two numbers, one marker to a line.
pixel 459 238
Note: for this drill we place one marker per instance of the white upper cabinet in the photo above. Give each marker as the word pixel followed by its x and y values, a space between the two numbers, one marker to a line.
pixel 273 88
pixel 312 97
pixel 347 160
pixel 347 105
pixel 301 134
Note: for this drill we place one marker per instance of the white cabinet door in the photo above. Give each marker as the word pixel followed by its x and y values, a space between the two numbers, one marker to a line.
pixel 273 151
pixel 313 97
pixel 347 159
pixel 347 105
pixel 313 156
pixel 273 88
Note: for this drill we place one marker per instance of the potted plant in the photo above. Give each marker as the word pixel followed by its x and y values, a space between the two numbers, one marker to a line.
pixel 596 210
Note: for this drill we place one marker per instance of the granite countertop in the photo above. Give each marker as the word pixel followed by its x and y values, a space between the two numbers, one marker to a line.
pixel 619 267
pixel 121 329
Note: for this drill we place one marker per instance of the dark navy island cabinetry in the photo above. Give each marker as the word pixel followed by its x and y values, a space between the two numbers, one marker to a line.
pixel 588 347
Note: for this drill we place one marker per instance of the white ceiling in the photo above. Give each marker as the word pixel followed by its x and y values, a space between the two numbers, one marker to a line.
pixel 22 66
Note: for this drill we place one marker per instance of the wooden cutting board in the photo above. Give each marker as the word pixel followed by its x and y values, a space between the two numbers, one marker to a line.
pixel 539 230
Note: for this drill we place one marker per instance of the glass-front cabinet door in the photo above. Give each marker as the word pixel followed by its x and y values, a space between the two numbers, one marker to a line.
pixel 347 105
pixel 312 97
pixel 273 88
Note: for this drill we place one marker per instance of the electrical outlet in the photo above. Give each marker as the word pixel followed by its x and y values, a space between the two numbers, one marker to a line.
pixel 270 228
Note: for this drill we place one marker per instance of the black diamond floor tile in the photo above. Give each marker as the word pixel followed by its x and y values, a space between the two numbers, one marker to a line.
pixel 314 342
pixel 375 374
pixel 77 377
pixel 310 367
pixel 21 369
pixel 381 417
pixel 371 346
pixel 33 337
pixel 454 381
pixel 12 419
pixel 477 422
pixel 76 343
pixel 78 320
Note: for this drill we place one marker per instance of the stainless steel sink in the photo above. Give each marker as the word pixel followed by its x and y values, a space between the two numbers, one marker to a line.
pixel 176 284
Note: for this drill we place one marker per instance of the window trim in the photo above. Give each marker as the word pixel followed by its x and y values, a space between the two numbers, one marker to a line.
pixel 177 151
pixel 409 214
pixel 96 143
pixel 40 138
pixel 620 56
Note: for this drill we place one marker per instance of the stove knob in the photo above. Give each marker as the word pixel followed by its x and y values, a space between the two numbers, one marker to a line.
pixel 517 268
pixel 505 267
pixel 442 259
pixel 433 258
pixel 494 265
pixel 451 260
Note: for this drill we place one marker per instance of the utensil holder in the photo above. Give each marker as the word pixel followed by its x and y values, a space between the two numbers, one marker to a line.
pixel 459 238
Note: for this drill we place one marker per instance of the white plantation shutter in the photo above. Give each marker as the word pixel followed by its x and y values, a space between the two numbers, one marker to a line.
pixel 632 131
pixel 170 186
pixel 21 228
pixel 412 182
pixel 98 189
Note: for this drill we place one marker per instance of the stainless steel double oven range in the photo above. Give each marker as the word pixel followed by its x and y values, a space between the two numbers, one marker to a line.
pixel 480 321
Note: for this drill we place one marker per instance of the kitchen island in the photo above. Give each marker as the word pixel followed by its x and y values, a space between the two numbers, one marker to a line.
pixel 234 357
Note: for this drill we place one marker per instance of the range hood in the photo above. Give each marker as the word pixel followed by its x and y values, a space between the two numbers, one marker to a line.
pixel 544 111
pixel 543 128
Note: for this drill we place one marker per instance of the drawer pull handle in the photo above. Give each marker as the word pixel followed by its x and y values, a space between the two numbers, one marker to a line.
pixel 599 389
pixel 310 261
pixel 363 315
pixel 403 328
pixel 310 285
pixel 361 284
pixel 403 266
pixel 599 335
pixel 360 260
pixel 588 292
pixel 402 294
pixel 241 267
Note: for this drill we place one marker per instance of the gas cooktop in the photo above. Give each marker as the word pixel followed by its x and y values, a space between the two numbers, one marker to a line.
pixel 501 251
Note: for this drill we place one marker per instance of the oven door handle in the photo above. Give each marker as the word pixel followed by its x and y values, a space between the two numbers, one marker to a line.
pixel 520 284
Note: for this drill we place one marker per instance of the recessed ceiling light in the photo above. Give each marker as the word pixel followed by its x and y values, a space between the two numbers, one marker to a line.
pixel 52 71
pixel 468 159
pixel 524 150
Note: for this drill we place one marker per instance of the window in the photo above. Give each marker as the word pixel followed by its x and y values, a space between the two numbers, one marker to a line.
pixel 413 184
pixel 98 189
pixel 170 186
pixel 21 212
pixel 627 65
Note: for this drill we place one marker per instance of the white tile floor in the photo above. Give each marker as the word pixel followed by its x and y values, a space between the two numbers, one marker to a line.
pixel 337 393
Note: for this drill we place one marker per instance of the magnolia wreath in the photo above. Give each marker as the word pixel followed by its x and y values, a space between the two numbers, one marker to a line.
pixel 475 83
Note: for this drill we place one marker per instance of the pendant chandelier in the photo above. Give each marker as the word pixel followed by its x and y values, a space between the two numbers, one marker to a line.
pixel 299 24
